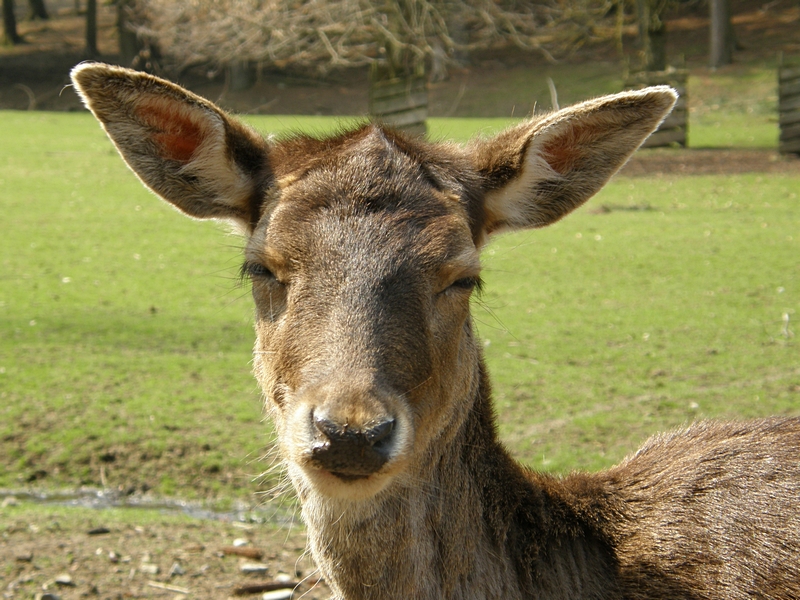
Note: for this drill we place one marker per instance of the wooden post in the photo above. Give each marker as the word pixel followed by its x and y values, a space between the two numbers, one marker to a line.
pixel 789 107
pixel 674 128
pixel 240 75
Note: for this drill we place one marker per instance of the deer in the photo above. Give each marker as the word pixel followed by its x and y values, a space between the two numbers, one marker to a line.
pixel 363 250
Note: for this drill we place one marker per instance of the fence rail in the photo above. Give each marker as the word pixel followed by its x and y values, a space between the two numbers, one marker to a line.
pixel 401 103
pixel 789 108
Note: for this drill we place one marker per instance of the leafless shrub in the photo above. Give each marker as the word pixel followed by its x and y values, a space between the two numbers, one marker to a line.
pixel 325 34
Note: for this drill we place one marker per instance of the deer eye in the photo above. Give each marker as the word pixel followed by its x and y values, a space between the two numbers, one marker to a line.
pixel 254 271
pixel 467 283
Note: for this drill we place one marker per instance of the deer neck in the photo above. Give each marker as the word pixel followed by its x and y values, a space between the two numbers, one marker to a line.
pixel 426 536
pixel 471 523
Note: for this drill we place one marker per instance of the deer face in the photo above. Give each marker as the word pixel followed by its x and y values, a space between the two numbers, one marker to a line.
pixel 361 276
pixel 363 253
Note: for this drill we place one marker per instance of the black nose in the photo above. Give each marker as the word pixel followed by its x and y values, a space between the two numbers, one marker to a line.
pixel 352 452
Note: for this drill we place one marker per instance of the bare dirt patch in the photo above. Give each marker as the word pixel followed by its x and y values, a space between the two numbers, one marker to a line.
pixel 649 163
pixel 83 553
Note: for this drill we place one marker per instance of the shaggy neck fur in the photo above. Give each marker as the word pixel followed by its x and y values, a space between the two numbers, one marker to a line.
pixel 473 524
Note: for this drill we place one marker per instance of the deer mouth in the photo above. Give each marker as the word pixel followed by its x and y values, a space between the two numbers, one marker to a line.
pixel 348 478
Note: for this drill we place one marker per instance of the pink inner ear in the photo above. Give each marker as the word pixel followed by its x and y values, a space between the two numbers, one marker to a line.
pixel 177 135
pixel 567 147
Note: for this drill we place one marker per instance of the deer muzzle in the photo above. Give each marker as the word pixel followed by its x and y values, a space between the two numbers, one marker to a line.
pixel 348 451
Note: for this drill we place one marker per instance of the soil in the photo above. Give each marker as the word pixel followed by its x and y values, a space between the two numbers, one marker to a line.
pixel 709 161
pixel 35 551
pixel 100 554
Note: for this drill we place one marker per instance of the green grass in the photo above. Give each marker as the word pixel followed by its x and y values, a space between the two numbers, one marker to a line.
pixel 56 517
pixel 734 107
pixel 670 307
pixel 518 92
pixel 125 339
pixel 732 130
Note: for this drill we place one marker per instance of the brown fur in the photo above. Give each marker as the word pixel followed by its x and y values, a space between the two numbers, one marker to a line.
pixel 363 251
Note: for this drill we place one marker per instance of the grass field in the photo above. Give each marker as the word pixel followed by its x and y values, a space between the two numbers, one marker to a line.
pixel 668 305
pixel 125 337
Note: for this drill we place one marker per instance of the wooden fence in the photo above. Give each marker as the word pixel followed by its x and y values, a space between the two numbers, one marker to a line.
pixel 789 108
pixel 674 128
pixel 401 103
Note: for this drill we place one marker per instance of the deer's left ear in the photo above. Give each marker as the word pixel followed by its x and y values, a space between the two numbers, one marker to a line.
pixel 184 148
pixel 541 170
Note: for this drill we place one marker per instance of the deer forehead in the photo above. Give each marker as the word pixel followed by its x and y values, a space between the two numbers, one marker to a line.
pixel 370 207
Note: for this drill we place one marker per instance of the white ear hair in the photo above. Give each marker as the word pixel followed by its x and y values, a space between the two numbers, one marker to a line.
pixel 184 148
pixel 504 205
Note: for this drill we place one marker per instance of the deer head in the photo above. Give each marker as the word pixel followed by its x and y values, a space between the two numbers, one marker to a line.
pixel 363 251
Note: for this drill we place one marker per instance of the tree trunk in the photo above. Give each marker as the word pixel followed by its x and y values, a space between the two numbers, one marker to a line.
pixel 722 38
pixel 652 37
pixel 10 23
pixel 91 28
pixel 657 60
pixel 643 19
pixel 37 10
pixel 129 44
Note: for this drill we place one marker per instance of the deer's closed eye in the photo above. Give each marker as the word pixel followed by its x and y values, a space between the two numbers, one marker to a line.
pixel 256 271
pixel 467 283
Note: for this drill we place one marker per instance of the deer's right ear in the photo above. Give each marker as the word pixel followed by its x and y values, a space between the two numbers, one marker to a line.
pixel 184 148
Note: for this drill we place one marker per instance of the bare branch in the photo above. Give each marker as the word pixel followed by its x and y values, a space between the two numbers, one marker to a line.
pixel 322 34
